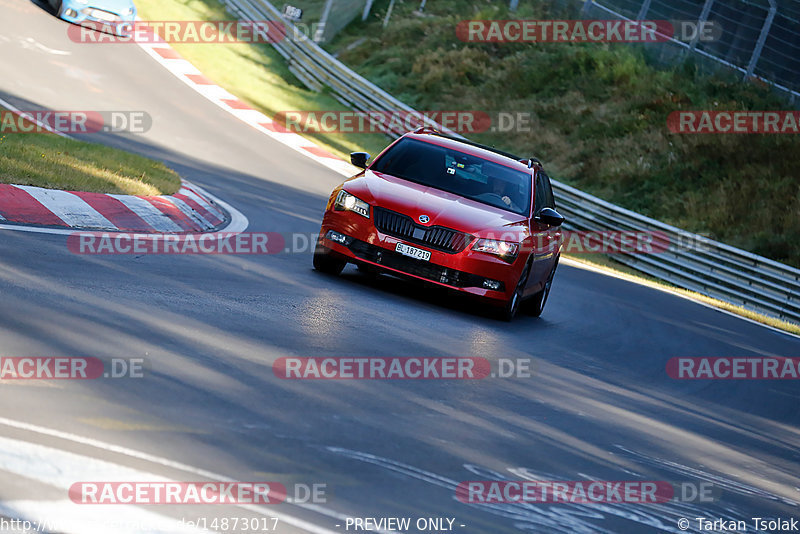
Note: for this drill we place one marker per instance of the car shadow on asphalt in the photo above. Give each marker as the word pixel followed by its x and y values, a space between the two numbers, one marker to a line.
pixel 417 290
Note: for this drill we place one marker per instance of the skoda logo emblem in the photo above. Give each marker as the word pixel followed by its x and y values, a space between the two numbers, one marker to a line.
pixel 424 219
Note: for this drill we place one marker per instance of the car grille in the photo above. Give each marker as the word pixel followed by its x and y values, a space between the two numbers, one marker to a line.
pixel 436 237
pixel 423 269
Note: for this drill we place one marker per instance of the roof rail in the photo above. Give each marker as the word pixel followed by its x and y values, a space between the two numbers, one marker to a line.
pixel 531 162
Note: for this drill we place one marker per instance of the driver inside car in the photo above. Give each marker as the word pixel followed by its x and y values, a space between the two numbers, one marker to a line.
pixel 502 189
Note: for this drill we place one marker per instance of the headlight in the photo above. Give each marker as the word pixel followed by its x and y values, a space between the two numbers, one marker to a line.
pixel 505 249
pixel 347 202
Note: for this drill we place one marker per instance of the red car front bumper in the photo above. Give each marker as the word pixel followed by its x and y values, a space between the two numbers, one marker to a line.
pixel 464 271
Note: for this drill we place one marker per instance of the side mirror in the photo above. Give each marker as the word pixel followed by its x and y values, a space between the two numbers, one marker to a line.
pixel 550 217
pixel 359 159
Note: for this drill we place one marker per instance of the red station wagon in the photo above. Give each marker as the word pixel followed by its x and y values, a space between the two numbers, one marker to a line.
pixel 450 212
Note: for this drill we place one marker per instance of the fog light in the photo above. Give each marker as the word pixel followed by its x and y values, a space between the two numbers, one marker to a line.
pixel 71 13
pixel 336 237
pixel 492 284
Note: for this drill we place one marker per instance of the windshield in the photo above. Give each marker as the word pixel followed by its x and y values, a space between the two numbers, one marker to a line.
pixel 456 172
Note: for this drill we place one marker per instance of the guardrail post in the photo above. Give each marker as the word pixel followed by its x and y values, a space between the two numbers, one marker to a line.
pixel 388 14
pixel 319 35
pixel 367 9
pixel 701 22
pixel 751 67
pixel 643 12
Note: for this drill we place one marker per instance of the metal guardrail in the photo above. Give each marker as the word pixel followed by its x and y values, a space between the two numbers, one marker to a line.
pixel 691 261
pixel 318 69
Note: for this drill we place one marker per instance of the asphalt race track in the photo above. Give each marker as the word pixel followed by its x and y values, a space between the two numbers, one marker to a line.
pixel 599 404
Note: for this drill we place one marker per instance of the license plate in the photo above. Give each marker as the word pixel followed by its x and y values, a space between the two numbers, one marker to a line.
pixel 413 252
pixel 104 15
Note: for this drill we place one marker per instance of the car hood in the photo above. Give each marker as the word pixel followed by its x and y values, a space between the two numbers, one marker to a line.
pixel 443 208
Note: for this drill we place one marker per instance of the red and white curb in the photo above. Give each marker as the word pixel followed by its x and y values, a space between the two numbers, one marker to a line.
pixel 192 209
pixel 186 211
pixel 191 76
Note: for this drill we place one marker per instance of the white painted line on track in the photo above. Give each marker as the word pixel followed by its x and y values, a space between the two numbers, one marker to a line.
pixel 60 470
pixel 20 459
pixel 68 518
pixel 31 42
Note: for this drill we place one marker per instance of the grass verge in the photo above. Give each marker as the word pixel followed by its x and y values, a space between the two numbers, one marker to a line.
pixel 54 162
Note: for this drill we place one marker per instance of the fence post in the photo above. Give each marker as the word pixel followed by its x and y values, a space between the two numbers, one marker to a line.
pixel 319 35
pixel 701 22
pixel 388 14
pixel 367 9
pixel 751 67
pixel 643 12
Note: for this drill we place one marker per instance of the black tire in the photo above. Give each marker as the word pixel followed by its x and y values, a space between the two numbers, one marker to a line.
pixel 326 262
pixel 535 306
pixel 512 306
